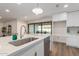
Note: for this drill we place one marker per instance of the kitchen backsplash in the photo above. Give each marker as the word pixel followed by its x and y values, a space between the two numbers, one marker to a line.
pixel 73 30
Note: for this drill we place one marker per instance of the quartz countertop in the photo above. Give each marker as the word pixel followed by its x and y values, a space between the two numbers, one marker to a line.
pixel 6 48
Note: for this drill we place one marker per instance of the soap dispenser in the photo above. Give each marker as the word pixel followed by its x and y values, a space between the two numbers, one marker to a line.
pixel 14 37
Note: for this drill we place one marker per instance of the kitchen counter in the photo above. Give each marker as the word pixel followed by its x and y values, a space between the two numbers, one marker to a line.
pixel 7 49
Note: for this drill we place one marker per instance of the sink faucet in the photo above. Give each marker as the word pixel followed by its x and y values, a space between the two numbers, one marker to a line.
pixel 21 31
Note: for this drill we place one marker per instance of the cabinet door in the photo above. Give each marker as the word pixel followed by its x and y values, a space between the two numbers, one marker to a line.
pixel 37 50
pixel 73 41
pixel 30 52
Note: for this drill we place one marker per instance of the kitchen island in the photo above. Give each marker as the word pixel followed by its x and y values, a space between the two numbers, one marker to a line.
pixel 34 48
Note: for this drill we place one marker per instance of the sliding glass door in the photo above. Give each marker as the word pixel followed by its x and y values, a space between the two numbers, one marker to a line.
pixel 31 28
pixel 43 27
pixel 37 28
pixel 46 28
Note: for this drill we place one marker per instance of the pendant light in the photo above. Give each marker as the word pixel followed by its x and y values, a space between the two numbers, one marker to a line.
pixel 37 10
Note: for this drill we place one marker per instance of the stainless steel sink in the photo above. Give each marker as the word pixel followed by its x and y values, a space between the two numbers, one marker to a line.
pixel 23 41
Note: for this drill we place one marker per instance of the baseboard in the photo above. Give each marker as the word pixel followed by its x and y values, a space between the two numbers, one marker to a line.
pixel 72 46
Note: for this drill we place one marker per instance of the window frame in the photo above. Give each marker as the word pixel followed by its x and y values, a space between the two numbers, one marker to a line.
pixel 41 23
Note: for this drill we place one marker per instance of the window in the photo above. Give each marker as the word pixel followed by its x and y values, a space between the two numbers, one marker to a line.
pixel 31 28
pixel 46 28
pixel 37 28
pixel 43 27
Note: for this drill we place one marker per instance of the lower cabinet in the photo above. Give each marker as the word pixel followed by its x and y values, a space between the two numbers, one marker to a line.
pixel 73 40
pixel 36 49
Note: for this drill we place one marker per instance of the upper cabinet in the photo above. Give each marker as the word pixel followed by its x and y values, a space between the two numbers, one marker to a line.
pixel 73 19
pixel 60 17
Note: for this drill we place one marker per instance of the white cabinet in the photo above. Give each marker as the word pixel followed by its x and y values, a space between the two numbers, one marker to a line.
pixel 60 17
pixel 37 50
pixel 73 40
pixel 73 19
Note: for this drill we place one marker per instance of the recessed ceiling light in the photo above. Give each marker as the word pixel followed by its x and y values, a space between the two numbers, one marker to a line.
pixel 65 6
pixel 0 17
pixel 19 3
pixel 7 10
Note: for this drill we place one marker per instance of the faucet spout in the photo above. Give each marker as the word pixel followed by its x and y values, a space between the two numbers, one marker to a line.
pixel 21 31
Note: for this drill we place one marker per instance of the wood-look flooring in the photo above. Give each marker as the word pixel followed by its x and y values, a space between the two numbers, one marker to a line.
pixel 60 49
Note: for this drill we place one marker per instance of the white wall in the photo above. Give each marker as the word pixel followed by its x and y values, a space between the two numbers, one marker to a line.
pixel 73 19
pixel 60 17
pixel 40 20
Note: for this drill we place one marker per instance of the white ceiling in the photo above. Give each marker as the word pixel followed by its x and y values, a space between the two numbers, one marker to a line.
pixel 25 9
